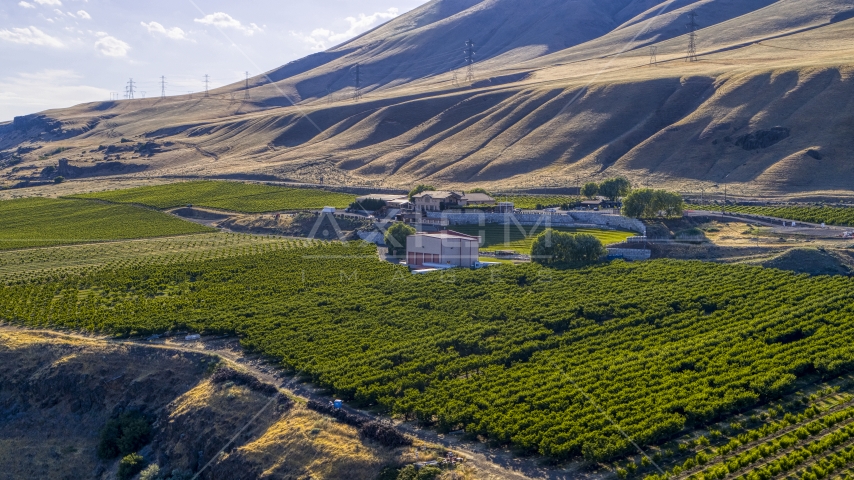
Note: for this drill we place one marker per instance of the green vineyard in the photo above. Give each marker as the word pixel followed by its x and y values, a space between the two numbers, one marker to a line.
pixel 39 222
pixel 564 363
pixel 842 216
pixel 31 263
pixel 530 202
pixel 230 196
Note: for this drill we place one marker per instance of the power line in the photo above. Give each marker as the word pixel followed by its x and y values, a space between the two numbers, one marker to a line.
pixel 246 88
pixel 469 60
pixel 129 90
pixel 653 59
pixel 692 37
pixel 206 84
pixel 162 86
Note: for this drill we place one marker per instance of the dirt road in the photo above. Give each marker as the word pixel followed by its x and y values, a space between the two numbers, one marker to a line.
pixel 492 463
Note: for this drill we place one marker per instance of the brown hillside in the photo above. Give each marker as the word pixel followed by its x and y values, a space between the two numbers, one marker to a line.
pixel 57 393
pixel 766 109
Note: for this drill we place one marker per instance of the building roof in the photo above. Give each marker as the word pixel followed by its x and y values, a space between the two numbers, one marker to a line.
pixel 447 235
pixel 436 194
pixel 383 197
pixel 478 198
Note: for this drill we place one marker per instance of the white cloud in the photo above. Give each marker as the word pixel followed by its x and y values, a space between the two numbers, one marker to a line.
pixel 111 46
pixel 323 38
pixel 30 36
pixel 26 5
pixel 35 91
pixel 84 15
pixel 224 20
pixel 49 2
pixel 173 33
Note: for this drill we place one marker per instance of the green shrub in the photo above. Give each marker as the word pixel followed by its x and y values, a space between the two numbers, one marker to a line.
pixel 59 179
pixel 152 472
pixel 124 435
pixel 130 466
pixel 409 472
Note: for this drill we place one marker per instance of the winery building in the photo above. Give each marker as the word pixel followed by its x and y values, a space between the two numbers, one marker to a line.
pixel 446 248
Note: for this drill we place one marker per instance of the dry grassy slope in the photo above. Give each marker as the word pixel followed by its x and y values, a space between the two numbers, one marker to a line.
pixel 574 112
pixel 57 392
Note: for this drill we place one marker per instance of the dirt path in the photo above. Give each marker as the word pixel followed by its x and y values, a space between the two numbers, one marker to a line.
pixel 491 462
pixel 802 228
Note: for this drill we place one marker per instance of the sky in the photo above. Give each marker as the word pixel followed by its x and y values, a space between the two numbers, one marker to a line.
pixel 58 53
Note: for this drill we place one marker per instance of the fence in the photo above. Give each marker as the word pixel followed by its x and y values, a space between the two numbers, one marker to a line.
pixel 569 219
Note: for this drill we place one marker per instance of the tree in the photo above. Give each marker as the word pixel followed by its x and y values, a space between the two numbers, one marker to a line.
pixel 479 190
pixel 614 188
pixel 590 190
pixel 368 204
pixel 566 249
pixel 124 435
pixel 395 237
pixel 419 189
pixel 130 466
pixel 648 203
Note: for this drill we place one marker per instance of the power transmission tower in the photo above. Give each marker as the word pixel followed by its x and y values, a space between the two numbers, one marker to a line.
pixel 455 81
pixel 143 94
pixel 357 74
pixel 469 61
pixel 162 87
pixel 692 37
pixel 653 59
pixel 130 90
pixel 246 88
pixel 206 85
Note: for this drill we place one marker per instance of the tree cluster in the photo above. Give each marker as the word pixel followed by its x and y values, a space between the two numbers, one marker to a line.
pixel 612 189
pixel 420 189
pixel 558 248
pixel 395 237
pixel 368 205
pixel 648 203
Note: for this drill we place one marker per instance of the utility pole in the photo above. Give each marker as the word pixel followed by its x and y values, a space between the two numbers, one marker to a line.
pixel 692 37
pixel 724 200
pixel 653 59
pixel 162 86
pixel 130 89
pixel 469 60
pixel 206 85
pixel 357 73
pixel 246 88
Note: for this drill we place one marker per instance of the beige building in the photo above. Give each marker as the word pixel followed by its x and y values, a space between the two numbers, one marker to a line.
pixel 442 248
pixel 435 201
